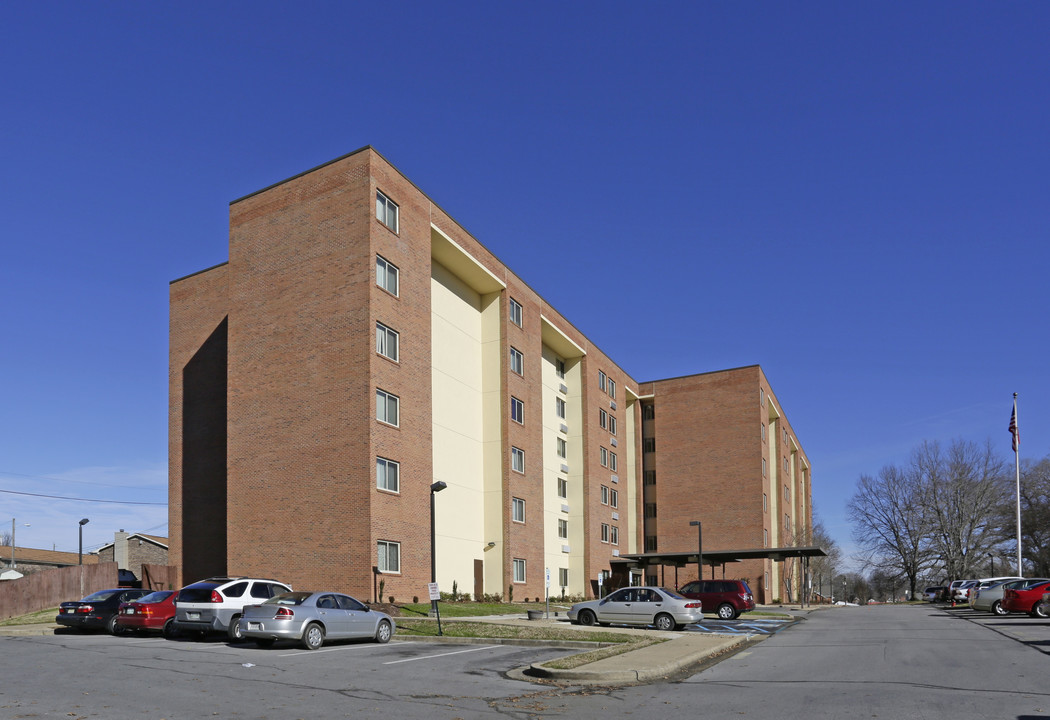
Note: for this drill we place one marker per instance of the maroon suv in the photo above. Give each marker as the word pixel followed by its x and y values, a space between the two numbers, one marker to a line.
pixel 726 598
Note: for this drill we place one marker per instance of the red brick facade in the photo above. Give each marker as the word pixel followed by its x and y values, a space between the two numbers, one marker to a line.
pixel 273 421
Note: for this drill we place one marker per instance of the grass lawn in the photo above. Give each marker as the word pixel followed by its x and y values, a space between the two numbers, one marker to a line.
pixel 37 618
pixel 474 609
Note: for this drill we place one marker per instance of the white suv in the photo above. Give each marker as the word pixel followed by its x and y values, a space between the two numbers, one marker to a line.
pixel 215 604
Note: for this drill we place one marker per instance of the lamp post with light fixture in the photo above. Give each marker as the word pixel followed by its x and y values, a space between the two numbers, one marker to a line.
pixel 434 489
pixel 80 552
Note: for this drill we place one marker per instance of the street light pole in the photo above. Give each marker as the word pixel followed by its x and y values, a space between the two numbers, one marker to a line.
pixel 700 548
pixel 80 552
pixel 434 489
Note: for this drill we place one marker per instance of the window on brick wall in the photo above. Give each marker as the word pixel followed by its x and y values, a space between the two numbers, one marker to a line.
pixel 517 459
pixel 614 498
pixel 603 419
pixel 605 532
pixel 601 380
pixel 612 461
pixel 612 389
pixel 386 341
pixel 515 312
pixel 650 510
pixel 648 412
pixel 517 506
pixel 517 410
pixel 519 570
pixel 386 275
pixel 386 211
pixel 650 543
pixel 603 457
pixel 605 495
pixel 388 474
pixel 612 425
pixel 387 407
pixel 517 361
pixel 649 445
pixel 388 556
pixel 614 535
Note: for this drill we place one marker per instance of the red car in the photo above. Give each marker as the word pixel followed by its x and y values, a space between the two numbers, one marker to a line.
pixel 152 613
pixel 1028 600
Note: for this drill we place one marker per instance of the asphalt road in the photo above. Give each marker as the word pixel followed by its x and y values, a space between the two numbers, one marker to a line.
pixel 884 661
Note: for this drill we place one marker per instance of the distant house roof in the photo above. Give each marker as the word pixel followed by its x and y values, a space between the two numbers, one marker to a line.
pixel 155 539
pixel 32 556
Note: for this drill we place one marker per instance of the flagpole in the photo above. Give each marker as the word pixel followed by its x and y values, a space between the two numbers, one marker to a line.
pixel 1017 467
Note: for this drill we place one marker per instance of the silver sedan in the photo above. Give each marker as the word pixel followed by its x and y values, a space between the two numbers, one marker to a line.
pixel 663 608
pixel 312 618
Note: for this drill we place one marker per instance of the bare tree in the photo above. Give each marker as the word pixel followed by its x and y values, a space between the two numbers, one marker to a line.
pixel 5 537
pixel 1035 516
pixel 964 489
pixel 822 569
pixel 892 523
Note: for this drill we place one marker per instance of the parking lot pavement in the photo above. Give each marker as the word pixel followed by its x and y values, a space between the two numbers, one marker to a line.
pixel 1032 632
pixel 742 626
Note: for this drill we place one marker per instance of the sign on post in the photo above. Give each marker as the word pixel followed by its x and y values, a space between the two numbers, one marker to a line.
pixel 435 593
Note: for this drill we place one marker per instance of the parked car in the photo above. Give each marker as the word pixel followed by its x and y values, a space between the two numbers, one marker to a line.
pixel 934 593
pixel 97 611
pixel 1027 599
pixel 658 606
pixel 313 618
pixel 987 592
pixel 150 613
pixel 727 598
pixel 961 592
pixel 215 604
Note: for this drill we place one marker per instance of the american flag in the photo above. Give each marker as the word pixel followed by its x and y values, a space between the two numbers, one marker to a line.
pixel 1013 427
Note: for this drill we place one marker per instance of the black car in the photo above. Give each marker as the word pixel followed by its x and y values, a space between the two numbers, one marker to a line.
pixel 98 611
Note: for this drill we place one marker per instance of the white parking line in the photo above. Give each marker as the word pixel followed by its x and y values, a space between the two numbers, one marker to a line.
pixel 374 646
pixel 431 657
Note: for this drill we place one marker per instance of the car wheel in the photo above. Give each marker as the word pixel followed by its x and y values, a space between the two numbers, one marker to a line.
pixel 113 628
pixel 313 637
pixel 384 632
pixel 586 617
pixel 726 611
pixel 264 642
pixel 664 622
pixel 1039 610
pixel 233 632
pixel 169 630
pixel 997 608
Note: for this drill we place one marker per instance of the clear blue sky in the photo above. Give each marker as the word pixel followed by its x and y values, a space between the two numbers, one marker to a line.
pixel 853 195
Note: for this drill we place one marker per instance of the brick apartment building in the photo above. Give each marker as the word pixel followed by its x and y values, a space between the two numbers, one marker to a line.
pixel 359 346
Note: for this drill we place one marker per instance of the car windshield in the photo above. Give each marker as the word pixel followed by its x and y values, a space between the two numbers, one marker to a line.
pixel 292 598
pixel 671 593
pixel 155 597
pixel 100 596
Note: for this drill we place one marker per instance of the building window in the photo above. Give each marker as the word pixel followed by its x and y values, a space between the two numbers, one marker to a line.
pixel 650 543
pixel 765 502
pixel 559 408
pixel 765 537
pixel 388 555
pixel 649 477
pixel 787 494
pixel 515 312
pixel 612 425
pixel 603 456
pixel 763 431
pixel 386 275
pixel 612 389
pixel 612 461
pixel 563 448
pixel 563 529
pixel 605 532
pixel 648 412
pixel 649 445
pixel 762 397
pixel 517 507
pixel 386 211
pixel 517 361
pixel 650 510
pixel 563 577
pixel 601 380
pixel 517 459
pixel 787 523
pixel 614 535
pixel 563 488
pixel 386 407
pixel 519 570
pixel 614 497
pixel 603 418
pixel 517 411
pixel 386 341
pixel 605 495
pixel 559 368
pixel 388 474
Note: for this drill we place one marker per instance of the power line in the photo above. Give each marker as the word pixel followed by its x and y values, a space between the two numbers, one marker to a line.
pixel 90 500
